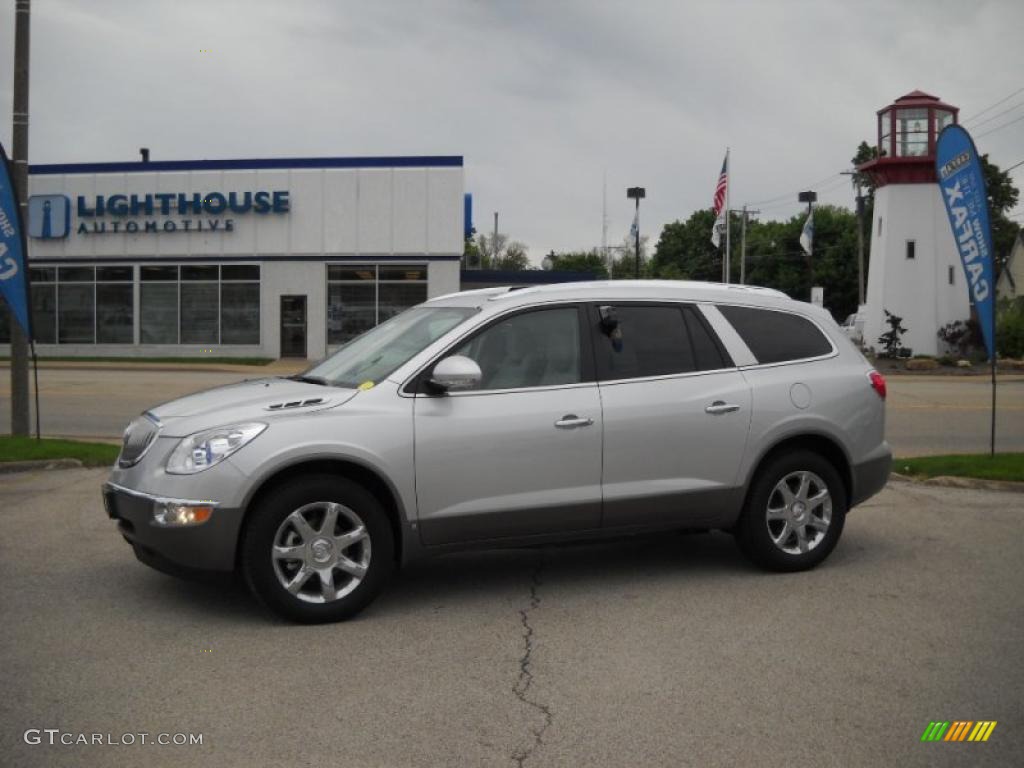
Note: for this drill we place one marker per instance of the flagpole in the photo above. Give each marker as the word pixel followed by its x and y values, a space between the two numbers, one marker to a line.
pixel 728 183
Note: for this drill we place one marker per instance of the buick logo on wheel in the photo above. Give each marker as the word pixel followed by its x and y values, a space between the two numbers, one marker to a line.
pixel 49 216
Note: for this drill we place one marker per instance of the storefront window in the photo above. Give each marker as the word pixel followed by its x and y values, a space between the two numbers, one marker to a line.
pixel 240 312
pixel 360 296
pixel 200 304
pixel 158 305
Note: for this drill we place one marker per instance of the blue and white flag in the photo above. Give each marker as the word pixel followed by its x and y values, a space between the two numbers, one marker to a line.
pixel 962 182
pixel 634 228
pixel 13 253
pixel 807 235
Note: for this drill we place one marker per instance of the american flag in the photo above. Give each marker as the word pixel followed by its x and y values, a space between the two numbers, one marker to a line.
pixel 723 182
pixel 719 202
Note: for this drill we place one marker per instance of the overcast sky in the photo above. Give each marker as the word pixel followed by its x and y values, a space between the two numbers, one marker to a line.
pixel 543 99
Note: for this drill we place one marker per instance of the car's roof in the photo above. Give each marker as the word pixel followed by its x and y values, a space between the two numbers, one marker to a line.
pixel 620 290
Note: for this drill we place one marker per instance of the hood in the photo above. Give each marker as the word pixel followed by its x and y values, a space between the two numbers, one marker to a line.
pixel 252 400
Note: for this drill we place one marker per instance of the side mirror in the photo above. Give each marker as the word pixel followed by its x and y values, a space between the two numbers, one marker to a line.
pixel 609 319
pixel 456 373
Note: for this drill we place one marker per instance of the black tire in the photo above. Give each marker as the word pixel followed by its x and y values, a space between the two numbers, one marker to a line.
pixel 756 535
pixel 265 527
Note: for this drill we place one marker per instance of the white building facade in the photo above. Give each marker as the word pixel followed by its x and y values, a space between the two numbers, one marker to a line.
pixel 237 258
pixel 914 269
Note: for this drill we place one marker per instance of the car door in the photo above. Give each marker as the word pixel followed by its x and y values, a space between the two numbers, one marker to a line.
pixel 521 454
pixel 676 416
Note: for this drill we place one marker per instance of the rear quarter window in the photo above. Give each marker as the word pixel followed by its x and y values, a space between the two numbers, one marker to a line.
pixel 775 336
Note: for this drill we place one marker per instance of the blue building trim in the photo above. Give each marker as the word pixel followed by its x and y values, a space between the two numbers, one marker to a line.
pixel 525 277
pixel 56 261
pixel 283 163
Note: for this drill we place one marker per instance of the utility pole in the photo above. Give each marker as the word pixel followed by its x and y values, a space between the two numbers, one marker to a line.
pixel 494 243
pixel 19 166
pixel 743 244
pixel 638 194
pixel 860 237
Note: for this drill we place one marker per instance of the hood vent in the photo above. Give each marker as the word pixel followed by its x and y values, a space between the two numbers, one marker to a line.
pixel 297 404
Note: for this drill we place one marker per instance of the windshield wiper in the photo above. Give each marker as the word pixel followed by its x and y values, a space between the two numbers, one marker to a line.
pixel 309 379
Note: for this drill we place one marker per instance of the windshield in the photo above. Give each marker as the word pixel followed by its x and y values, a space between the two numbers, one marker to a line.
pixel 373 356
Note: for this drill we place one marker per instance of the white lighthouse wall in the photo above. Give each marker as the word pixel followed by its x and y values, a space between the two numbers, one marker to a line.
pixel 918 289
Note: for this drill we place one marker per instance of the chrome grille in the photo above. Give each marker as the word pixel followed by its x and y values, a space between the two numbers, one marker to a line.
pixel 137 439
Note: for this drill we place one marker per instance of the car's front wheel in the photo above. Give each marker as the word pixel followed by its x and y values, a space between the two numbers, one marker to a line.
pixel 317 549
pixel 794 513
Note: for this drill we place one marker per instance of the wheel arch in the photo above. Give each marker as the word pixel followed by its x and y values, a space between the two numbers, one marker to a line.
pixel 370 478
pixel 823 445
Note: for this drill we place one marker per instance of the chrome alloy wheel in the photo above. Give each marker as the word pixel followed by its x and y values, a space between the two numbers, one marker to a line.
pixel 799 512
pixel 326 540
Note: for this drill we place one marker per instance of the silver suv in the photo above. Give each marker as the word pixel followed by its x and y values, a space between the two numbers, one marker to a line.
pixel 502 417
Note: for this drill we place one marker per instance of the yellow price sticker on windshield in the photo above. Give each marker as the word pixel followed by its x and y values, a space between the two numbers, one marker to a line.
pixel 366 385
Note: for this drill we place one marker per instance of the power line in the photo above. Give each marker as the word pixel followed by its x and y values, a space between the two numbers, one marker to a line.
pixel 976 115
pixel 990 118
pixel 792 194
pixel 1000 127
pixel 1015 165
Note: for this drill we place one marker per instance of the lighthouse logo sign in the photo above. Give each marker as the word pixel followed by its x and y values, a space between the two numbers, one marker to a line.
pixel 963 191
pixel 49 216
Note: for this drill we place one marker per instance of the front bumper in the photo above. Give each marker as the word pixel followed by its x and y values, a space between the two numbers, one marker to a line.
pixel 207 547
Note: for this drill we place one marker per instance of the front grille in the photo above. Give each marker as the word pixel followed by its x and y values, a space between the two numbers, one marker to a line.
pixel 137 439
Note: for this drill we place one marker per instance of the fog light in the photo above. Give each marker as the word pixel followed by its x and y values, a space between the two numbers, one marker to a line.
pixel 172 514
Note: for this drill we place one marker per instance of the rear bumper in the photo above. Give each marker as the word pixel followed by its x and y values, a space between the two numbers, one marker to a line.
pixel 200 548
pixel 869 477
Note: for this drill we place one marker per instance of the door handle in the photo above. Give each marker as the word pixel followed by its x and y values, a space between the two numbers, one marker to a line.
pixel 719 406
pixel 571 420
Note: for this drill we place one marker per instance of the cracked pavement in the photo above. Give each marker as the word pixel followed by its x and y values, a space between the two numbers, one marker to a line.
pixel 663 650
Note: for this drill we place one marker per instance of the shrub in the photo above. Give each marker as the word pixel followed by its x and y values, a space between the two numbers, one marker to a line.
pixel 1010 327
pixel 891 340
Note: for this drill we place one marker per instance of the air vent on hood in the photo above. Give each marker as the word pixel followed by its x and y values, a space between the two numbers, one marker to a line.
pixel 297 404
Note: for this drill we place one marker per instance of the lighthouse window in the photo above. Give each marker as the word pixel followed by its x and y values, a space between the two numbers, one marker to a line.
pixel 911 132
pixel 879 226
pixel 952 276
pixel 911 245
pixel 942 119
pixel 884 133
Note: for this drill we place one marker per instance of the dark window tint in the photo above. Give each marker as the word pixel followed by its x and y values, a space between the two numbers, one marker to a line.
pixel 359 272
pixel 114 274
pixel 158 273
pixel 199 272
pixel 115 320
pixel 42 274
pixel 649 341
pixel 707 354
pixel 76 274
pixel 776 337
pixel 240 272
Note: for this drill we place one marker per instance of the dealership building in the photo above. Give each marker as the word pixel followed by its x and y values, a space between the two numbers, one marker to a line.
pixel 247 258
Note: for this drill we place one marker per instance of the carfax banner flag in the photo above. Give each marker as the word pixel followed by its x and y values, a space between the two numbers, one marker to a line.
pixel 13 277
pixel 962 182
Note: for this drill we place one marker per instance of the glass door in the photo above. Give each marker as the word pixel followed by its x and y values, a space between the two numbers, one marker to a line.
pixel 293 326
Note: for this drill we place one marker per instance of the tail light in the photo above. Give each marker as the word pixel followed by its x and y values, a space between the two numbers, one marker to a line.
pixel 877 383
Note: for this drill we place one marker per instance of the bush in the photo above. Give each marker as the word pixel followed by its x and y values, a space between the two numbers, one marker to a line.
pixel 1010 327
pixel 963 339
pixel 892 340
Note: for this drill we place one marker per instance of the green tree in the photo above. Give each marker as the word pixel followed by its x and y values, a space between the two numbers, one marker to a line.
pixel 513 259
pixel 1002 197
pixel 580 261
pixel 684 250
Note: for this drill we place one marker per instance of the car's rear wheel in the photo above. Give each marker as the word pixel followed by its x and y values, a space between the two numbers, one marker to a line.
pixel 317 549
pixel 794 513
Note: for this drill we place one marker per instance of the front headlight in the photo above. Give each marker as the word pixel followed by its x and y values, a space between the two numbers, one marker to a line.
pixel 204 449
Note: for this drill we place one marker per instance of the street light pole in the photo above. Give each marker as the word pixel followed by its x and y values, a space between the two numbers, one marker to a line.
pixel 636 193
pixel 19 167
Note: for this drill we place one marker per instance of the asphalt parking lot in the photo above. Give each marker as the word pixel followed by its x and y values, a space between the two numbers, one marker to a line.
pixel 656 651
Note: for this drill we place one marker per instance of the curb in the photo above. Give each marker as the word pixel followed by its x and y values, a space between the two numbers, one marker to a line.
pixel 10 467
pixel 968 483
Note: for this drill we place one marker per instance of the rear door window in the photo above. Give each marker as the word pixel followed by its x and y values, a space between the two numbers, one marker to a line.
pixel 654 340
pixel 775 336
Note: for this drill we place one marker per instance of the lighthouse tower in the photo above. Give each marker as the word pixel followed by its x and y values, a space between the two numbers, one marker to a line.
pixel 914 269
